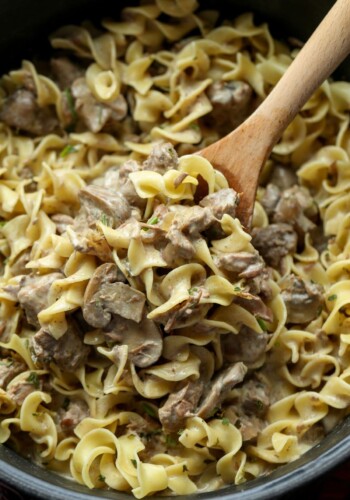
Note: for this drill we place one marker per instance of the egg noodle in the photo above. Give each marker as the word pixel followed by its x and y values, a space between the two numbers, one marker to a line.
pixel 160 62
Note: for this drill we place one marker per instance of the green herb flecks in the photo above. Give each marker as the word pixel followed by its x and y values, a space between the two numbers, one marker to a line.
pixel 134 462
pixel 2 223
pixel 152 221
pixel 71 106
pixel 193 290
pixel 147 408
pixel 101 478
pixel 150 434
pixel 184 468
pixel 333 297
pixel 262 324
pixel 34 379
pixel 67 150
pixel 105 220
pixel 237 289
pixel 170 441
pixel 225 421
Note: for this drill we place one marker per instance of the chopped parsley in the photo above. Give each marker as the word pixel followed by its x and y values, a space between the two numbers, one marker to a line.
pixel 170 441
pixel 152 221
pixel 149 410
pixel 225 421
pixel 193 290
pixel 33 379
pixel 172 152
pixel 259 404
pixel 184 468
pixel 101 478
pixel 71 104
pixel 333 297
pixel 134 462
pixel 262 324
pixel 195 126
pixel 150 434
pixel 180 431
pixel 2 223
pixel 105 220
pixel 67 150
pixel 237 289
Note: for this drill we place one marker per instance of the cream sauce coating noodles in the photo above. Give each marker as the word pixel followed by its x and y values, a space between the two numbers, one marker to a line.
pixel 148 343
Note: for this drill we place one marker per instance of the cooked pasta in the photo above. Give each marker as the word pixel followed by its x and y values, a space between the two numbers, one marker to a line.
pixel 149 343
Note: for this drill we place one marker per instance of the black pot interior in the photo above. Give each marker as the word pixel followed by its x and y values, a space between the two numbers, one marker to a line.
pixel 24 28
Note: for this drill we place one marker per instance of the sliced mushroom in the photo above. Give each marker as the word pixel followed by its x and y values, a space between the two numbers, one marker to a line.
pixel 144 339
pixel 106 295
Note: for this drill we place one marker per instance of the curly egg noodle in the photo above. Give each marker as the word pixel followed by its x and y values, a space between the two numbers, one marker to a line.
pixel 164 57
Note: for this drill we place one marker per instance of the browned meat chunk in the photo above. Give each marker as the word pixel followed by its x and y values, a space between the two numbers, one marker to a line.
pixel 251 402
pixel 270 198
pixel 33 294
pixel 93 113
pixel 295 207
pixel 144 339
pixel 9 368
pixel 274 242
pixel 21 111
pixel 260 284
pixel 162 158
pixel 65 71
pixel 255 305
pixel 219 388
pixel 245 264
pixel 101 204
pixel 180 404
pixel 222 202
pixel 246 346
pixel 105 295
pixel 126 187
pixel 283 177
pixel 19 390
pixel 75 412
pixel 232 103
pixel 62 221
pixel 303 300
pixel 68 352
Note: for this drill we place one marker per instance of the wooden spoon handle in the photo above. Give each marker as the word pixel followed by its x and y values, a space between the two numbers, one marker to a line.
pixel 323 52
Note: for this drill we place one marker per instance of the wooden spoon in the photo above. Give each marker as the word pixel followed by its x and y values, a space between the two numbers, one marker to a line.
pixel 241 155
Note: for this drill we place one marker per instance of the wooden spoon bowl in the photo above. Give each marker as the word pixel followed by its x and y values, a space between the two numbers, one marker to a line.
pixel 241 154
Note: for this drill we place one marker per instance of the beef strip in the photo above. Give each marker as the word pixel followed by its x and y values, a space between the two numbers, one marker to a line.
pixel 295 207
pixel 249 407
pixel 33 294
pixel 69 418
pixel 62 221
pixel 101 203
pixel 162 158
pixel 20 389
pixel 303 299
pixel 232 104
pixel 68 352
pixel 247 346
pixel 180 404
pixel 219 389
pixel 260 284
pixel 126 187
pixel 9 368
pixel 94 114
pixel 21 111
pixel 274 242
pixel 222 202
pixel 64 71
pixel 98 204
pixel 245 264
pixel 144 339
pixel 270 199
pixel 106 295
pixel 254 305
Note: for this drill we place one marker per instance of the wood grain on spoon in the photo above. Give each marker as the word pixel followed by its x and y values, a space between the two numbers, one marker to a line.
pixel 241 155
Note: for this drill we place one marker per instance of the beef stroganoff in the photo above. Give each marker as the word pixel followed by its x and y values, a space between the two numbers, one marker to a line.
pixel 149 343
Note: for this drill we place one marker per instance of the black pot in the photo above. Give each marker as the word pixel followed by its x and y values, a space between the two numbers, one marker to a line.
pixel 24 28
